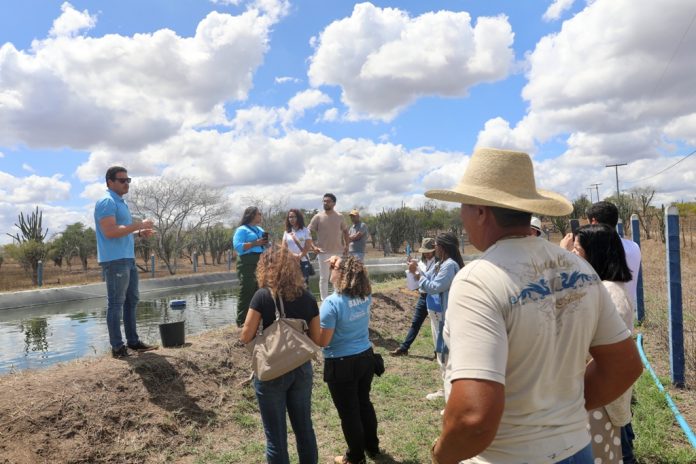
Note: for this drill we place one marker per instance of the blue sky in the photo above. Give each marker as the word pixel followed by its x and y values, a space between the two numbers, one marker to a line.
pixel 376 102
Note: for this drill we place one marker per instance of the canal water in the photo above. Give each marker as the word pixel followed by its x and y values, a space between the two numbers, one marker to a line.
pixel 40 336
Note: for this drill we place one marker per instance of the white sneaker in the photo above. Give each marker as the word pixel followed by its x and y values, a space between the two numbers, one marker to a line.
pixel 436 395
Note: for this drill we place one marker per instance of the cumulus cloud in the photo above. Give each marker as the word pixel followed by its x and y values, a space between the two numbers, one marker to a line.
pixel 383 59
pixel 329 115
pixel 498 133
pixel 613 71
pixel 124 92
pixel 71 22
pixel 27 167
pixel 32 189
pixel 556 9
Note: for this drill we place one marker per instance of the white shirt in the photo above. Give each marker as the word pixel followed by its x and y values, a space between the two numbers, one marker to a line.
pixel 301 235
pixel 632 251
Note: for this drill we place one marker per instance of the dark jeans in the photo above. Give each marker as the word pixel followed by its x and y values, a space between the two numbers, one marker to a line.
pixel 420 315
pixel 246 273
pixel 349 380
pixel 584 456
pixel 627 437
pixel 291 392
pixel 121 279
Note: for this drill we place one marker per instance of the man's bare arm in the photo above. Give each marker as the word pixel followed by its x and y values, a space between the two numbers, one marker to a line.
pixel 471 419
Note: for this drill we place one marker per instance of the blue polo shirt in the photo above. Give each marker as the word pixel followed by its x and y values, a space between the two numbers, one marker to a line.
pixel 245 234
pixel 110 249
pixel 350 318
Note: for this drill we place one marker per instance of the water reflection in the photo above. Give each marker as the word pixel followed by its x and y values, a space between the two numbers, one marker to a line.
pixel 40 336
pixel 35 335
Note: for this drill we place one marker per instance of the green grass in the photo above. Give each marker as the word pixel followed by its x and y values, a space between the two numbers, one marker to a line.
pixel 658 437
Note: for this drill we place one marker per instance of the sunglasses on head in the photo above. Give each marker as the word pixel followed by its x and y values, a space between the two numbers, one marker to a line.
pixel 123 180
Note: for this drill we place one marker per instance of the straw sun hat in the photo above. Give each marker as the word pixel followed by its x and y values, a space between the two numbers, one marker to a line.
pixel 504 179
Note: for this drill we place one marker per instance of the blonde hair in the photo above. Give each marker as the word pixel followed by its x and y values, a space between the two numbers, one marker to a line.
pixel 279 271
pixel 354 280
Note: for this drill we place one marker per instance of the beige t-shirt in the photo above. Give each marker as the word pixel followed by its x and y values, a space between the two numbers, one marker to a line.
pixel 329 229
pixel 525 315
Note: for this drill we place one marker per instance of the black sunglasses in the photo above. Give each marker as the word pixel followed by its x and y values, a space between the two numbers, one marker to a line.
pixel 123 180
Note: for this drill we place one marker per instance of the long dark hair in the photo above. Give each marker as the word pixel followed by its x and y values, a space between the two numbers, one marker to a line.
pixel 604 251
pixel 449 242
pixel 299 221
pixel 249 215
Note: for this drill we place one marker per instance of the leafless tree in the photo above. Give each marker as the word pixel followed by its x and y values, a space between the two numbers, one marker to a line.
pixel 642 197
pixel 177 206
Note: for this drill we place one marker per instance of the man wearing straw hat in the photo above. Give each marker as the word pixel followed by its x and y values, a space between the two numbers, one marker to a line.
pixel 520 323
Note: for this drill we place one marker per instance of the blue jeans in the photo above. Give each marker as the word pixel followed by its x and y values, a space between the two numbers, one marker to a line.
pixel 291 392
pixel 420 315
pixel 121 278
pixel 584 456
pixel 360 255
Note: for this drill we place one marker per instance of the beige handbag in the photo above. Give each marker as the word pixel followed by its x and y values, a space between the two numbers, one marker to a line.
pixel 282 346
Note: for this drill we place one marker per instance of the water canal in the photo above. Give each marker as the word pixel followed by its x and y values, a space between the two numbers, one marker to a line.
pixel 39 336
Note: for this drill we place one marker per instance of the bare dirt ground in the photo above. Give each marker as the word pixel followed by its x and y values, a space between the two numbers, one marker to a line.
pixel 153 407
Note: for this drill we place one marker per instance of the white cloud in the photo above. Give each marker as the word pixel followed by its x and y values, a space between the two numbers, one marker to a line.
pixel 556 9
pixel 286 79
pixel 614 71
pixel 26 167
pixel 2 155
pixel 32 189
pixel 125 92
pixel 497 133
pixel 384 60
pixel 71 22
pixel 329 115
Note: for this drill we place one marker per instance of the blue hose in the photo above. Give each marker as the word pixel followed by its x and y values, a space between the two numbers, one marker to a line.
pixel 677 415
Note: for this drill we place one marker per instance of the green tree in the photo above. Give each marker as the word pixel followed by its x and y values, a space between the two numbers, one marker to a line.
pixel 580 206
pixel 28 254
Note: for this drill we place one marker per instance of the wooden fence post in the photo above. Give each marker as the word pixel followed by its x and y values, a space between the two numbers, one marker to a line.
pixel 674 299
pixel 640 304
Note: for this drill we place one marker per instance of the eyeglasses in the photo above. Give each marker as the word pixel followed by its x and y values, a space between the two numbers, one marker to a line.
pixel 123 180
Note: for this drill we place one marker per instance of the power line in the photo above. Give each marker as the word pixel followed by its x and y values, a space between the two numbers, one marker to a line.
pixel 660 172
pixel 664 70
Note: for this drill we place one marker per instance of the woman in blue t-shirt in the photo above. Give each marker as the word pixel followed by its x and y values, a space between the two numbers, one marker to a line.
pixel 348 358
pixel 280 277
pixel 249 241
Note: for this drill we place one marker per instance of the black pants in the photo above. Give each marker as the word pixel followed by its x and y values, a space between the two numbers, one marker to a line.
pixel 349 380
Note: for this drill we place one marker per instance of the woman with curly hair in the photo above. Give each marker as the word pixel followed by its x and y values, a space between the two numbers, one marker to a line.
pixel 298 239
pixel 348 358
pixel 279 277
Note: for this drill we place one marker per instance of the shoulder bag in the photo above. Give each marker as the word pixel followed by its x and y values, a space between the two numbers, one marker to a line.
pixel 282 346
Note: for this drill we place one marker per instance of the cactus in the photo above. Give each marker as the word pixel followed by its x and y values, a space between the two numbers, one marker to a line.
pixel 30 227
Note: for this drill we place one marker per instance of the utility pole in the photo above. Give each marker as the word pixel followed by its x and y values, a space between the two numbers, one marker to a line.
pixel 616 168
pixel 590 189
pixel 596 186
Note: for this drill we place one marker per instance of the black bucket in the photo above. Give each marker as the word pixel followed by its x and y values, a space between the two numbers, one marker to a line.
pixel 172 334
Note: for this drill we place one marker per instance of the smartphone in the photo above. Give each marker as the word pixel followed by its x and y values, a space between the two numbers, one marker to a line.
pixel 265 235
pixel 574 225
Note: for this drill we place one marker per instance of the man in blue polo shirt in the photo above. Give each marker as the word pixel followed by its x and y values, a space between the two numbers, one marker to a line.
pixel 116 255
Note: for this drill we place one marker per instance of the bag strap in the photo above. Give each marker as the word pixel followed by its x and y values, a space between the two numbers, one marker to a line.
pixel 297 242
pixel 279 314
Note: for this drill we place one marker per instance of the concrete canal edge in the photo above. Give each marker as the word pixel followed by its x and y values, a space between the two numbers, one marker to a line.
pixel 27 298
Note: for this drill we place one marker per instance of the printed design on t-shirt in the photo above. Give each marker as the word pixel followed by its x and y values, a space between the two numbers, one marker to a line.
pixel 357 312
pixel 542 288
